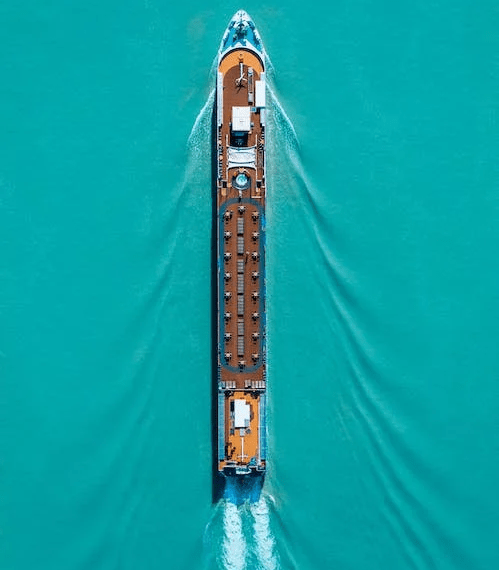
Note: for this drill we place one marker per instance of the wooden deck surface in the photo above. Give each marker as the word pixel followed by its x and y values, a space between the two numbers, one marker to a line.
pixel 240 374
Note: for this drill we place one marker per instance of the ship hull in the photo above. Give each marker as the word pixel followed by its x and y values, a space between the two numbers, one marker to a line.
pixel 240 195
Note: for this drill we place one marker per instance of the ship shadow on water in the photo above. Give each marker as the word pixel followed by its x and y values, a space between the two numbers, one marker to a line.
pixel 242 489
pixel 218 483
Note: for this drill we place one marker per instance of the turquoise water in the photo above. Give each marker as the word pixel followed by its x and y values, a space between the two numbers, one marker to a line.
pixel 383 281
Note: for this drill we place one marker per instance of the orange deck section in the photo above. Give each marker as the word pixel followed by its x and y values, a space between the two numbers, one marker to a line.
pixel 241 265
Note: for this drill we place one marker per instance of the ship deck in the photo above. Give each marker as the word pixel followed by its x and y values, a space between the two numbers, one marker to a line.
pixel 241 254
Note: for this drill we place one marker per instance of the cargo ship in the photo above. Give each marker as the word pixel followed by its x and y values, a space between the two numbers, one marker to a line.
pixel 239 162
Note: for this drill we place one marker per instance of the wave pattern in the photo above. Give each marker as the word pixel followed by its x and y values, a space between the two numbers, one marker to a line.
pixel 265 543
pixel 234 548
pixel 240 537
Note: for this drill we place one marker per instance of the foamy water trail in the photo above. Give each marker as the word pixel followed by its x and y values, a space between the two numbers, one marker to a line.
pixel 200 137
pixel 280 116
pixel 234 549
pixel 277 113
pixel 264 547
pixel 283 150
pixel 197 173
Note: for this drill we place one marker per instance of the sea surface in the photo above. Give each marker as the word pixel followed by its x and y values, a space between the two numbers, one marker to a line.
pixel 382 278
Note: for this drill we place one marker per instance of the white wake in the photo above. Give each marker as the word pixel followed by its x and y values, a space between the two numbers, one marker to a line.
pixel 234 549
pixel 264 547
